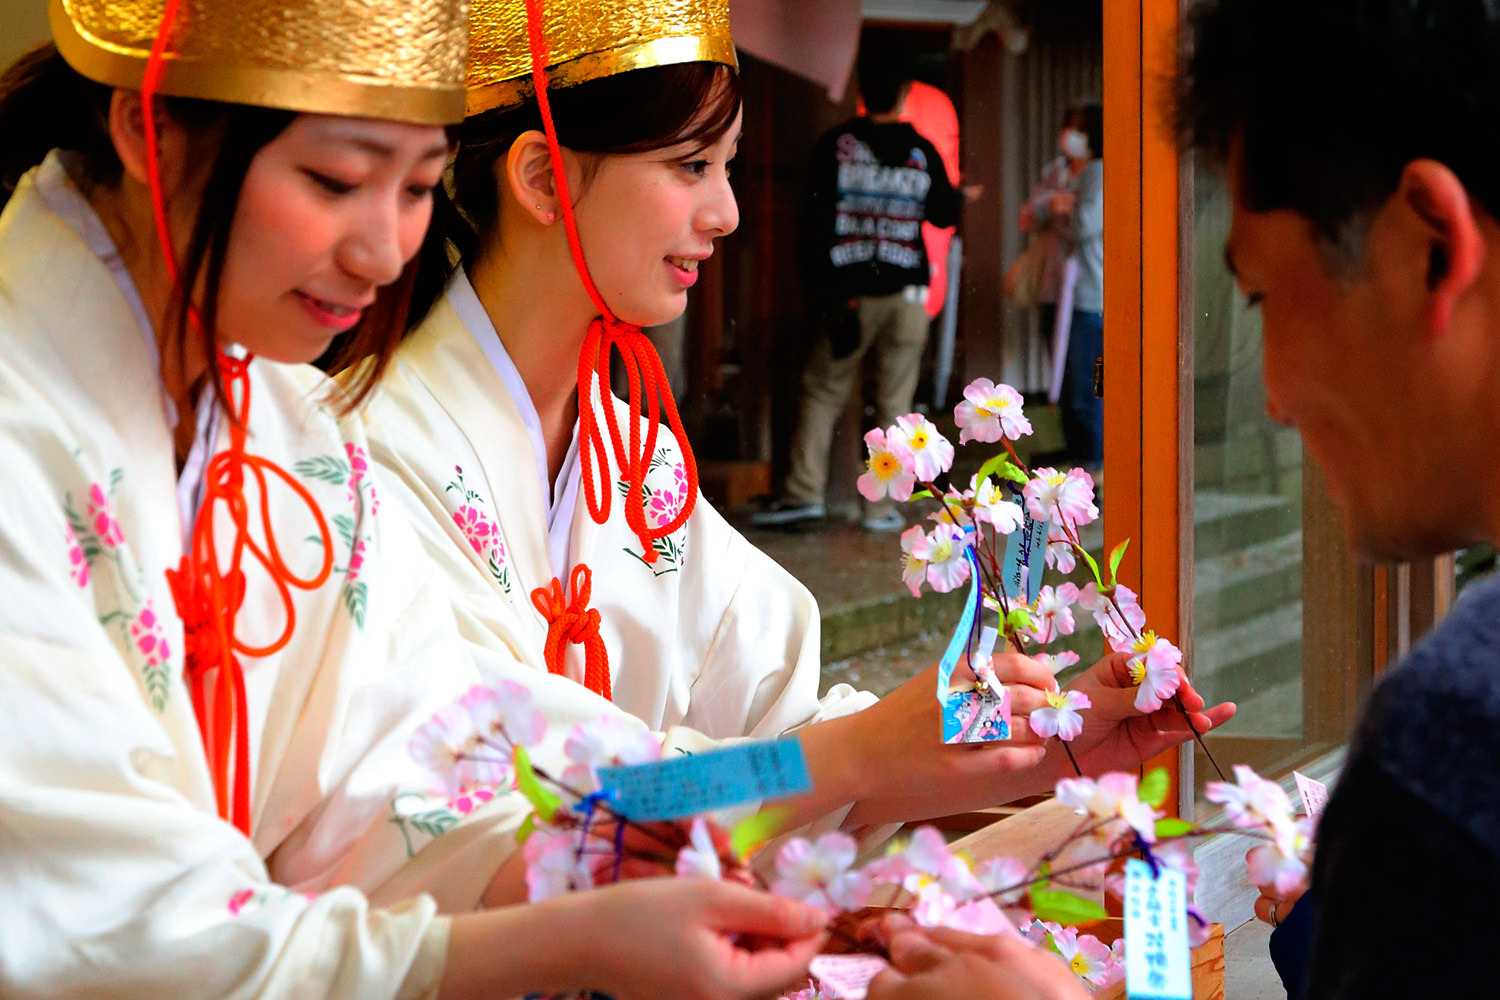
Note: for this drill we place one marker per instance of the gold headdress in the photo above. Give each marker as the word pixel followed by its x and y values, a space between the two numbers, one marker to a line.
pixel 399 60
pixel 589 39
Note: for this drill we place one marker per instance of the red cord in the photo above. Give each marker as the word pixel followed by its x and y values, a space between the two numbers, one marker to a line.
pixel 207 598
pixel 574 621
pixel 649 390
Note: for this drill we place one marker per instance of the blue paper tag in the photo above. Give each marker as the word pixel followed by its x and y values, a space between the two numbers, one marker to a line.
pixel 1157 961
pixel 961 634
pixel 1022 568
pixel 687 786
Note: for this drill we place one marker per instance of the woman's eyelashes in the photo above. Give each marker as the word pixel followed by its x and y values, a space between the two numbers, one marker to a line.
pixel 330 185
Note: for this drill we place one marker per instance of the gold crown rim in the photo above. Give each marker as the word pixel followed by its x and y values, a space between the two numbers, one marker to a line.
pixel 306 92
pixel 668 51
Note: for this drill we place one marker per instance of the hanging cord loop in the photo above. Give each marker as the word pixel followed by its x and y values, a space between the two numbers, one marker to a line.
pixel 573 621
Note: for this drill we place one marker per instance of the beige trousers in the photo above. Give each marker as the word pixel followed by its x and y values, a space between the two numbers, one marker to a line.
pixel 894 329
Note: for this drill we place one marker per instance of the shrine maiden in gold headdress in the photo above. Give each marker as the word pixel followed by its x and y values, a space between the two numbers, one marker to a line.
pixel 218 637
pixel 590 182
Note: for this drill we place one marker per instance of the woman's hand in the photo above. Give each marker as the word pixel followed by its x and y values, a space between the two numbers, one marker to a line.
pixel 908 773
pixel 1116 735
pixel 940 964
pixel 693 939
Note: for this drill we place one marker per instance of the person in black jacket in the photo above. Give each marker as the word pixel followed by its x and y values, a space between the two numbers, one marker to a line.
pixel 874 181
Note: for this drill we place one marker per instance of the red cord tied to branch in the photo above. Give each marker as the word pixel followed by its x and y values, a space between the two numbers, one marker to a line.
pixel 650 392
pixel 573 621
pixel 207 594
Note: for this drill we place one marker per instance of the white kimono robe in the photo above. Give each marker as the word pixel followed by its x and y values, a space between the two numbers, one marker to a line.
pixel 117 876
pixel 715 636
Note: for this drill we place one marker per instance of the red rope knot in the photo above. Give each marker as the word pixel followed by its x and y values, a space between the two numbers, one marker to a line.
pixel 573 621
pixel 650 393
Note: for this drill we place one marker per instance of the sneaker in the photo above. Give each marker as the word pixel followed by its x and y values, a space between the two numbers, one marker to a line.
pixel 889 520
pixel 780 512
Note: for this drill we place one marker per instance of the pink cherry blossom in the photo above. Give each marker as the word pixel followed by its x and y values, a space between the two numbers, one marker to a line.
pixel 1107 614
pixel 929 860
pixel 443 746
pixel 1052 496
pixel 554 866
pixel 822 874
pixel 1060 553
pixel 664 506
pixel 989 412
pixel 1283 862
pixel 1003 873
pixel 944 553
pixel 1061 717
pixel 994 506
pixel 1053 614
pixel 505 715
pixel 1056 662
pixel 1252 801
pixel 889 469
pixel 78 564
pixel 102 518
pixel 477 527
pixel 1154 668
pixel 700 859
pixel 1114 971
pixel 931 453
pixel 1086 955
pixel 913 568
pixel 146 633
pixel 1115 796
pixel 607 741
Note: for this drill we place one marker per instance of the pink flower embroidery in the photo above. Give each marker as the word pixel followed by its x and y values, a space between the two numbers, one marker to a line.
pixel 359 467
pixel 146 633
pixel 664 505
pixel 477 528
pixel 103 518
pixel 356 560
pixel 471 800
pixel 78 563
pixel 679 472
pixel 240 900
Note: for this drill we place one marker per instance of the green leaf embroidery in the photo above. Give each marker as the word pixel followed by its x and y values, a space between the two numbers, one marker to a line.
pixel 327 468
pixel 156 686
pixel 355 597
pixel 345 525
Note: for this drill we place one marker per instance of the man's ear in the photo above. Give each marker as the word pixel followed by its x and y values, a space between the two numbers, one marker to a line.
pixel 127 130
pixel 1455 246
pixel 527 171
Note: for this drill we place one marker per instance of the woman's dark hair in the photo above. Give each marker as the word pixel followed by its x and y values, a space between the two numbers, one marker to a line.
pixel 634 112
pixel 45 104
pixel 1088 119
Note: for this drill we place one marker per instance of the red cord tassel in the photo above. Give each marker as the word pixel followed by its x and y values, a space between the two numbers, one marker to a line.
pixel 649 391
pixel 573 621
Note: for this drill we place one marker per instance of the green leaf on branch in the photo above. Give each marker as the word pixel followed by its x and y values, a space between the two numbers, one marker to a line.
pixel 527 828
pixel 1092 566
pixel 753 831
pixel 1001 466
pixel 1154 787
pixel 1173 827
pixel 921 495
pixel 544 801
pixel 1018 620
pixel 1065 908
pixel 1114 561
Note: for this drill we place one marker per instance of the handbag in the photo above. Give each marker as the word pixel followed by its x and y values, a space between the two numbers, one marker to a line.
pixel 1023 280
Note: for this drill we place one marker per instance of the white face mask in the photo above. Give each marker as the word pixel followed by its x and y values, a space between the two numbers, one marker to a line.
pixel 1073 143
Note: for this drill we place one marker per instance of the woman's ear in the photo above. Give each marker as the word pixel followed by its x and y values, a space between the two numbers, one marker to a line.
pixel 527 172
pixel 127 129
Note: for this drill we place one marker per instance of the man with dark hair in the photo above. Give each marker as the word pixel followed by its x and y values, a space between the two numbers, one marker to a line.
pixel 874 181
pixel 1362 161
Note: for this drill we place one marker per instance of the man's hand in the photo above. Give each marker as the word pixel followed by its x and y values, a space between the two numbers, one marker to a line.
pixel 940 964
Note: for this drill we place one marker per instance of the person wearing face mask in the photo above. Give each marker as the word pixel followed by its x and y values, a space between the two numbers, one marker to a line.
pixel 569 521
pixel 1068 209
pixel 218 638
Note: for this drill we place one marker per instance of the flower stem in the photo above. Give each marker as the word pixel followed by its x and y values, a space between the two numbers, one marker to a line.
pixel 1071 759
